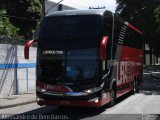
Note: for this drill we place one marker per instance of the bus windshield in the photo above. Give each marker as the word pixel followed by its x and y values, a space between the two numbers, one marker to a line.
pixel 71 65
pixel 71 31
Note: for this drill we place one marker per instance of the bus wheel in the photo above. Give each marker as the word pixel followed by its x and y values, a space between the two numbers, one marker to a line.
pixel 135 87
pixel 113 97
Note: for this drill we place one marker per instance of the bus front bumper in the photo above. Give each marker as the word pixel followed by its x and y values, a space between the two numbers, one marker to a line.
pixel 96 102
pixel 93 97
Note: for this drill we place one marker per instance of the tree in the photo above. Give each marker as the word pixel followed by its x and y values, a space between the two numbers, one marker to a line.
pixel 157 15
pixel 25 14
pixel 141 13
pixel 7 30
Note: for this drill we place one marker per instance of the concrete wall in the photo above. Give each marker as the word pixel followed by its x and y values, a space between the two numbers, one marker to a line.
pixel 17 75
pixel 147 57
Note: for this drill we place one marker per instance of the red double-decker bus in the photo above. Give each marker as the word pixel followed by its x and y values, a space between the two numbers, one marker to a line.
pixel 86 58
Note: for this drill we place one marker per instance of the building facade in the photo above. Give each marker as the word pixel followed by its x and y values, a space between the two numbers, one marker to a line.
pixel 150 58
pixel 52 7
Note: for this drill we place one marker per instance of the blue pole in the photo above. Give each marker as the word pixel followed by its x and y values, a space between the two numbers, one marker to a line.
pixel 16 77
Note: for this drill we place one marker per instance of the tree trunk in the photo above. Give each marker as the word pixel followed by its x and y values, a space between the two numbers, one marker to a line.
pixel 156 58
pixel 150 52
pixel 144 54
pixel 43 6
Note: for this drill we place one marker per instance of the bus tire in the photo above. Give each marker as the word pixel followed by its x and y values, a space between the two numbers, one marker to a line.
pixel 113 96
pixel 135 87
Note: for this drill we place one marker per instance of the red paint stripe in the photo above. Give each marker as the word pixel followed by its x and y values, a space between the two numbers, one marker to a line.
pixel 126 82
pixel 134 28
pixel 53 88
pixel 122 92
pixel 131 55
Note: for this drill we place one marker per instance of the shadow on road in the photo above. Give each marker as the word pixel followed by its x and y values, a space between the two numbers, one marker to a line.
pixel 70 113
pixel 60 113
pixel 150 86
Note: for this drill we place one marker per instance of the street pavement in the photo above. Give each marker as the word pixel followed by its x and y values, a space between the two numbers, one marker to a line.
pixel 30 97
pixel 153 71
pixel 16 100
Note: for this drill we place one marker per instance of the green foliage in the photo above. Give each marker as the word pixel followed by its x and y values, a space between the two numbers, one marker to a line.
pixel 34 11
pixel 26 15
pixel 157 15
pixel 157 12
pixel 6 28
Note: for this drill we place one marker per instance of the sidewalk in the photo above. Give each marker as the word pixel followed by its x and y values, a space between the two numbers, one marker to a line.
pixel 16 100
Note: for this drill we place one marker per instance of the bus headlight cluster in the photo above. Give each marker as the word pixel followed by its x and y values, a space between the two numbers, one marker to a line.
pixel 40 89
pixel 88 91
pixel 96 101
pixel 96 89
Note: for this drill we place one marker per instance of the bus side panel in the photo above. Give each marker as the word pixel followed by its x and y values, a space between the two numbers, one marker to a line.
pixel 129 68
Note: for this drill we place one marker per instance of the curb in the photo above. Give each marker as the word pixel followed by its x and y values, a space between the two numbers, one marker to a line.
pixel 17 104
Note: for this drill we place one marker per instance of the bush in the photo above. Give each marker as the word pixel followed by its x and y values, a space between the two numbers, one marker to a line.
pixel 8 32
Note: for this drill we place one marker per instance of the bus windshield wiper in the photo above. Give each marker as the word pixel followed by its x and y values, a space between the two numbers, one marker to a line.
pixel 59 77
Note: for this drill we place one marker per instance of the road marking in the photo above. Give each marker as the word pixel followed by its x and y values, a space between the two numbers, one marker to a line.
pixel 155 72
pixel 146 73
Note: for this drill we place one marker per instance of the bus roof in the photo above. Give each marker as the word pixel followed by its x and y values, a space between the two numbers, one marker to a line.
pixel 91 12
pixel 78 12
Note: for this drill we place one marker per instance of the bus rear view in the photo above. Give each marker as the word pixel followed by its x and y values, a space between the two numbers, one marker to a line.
pixel 75 65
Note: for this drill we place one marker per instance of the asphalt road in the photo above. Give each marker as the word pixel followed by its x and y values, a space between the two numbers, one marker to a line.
pixel 144 105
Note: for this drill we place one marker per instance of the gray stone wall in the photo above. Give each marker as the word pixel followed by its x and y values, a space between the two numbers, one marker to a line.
pixel 17 75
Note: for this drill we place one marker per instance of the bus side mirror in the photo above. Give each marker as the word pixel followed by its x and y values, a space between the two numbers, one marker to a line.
pixel 27 46
pixel 103 46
